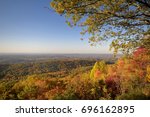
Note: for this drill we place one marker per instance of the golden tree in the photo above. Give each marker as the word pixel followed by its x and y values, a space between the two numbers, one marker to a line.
pixel 120 21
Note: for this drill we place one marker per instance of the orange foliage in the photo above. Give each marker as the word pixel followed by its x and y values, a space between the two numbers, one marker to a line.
pixel 97 74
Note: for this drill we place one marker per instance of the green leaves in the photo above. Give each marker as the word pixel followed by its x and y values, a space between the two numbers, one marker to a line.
pixel 121 20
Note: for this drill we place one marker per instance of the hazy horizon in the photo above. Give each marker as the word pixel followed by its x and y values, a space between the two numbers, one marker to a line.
pixel 58 53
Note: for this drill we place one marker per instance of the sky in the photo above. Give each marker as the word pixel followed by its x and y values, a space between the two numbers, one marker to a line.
pixel 26 26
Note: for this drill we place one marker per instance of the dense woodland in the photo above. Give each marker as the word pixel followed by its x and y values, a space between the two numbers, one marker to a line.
pixel 123 78
pixel 124 23
pixel 12 73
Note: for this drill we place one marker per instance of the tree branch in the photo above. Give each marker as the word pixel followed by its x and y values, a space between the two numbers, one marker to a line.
pixel 145 3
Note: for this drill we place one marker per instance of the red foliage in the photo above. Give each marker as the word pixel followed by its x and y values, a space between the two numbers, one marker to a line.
pixel 139 51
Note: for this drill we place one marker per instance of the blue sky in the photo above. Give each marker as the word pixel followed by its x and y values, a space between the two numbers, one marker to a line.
pixel 27 27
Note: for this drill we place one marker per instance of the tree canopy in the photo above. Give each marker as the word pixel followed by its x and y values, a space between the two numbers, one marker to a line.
pixel 123 22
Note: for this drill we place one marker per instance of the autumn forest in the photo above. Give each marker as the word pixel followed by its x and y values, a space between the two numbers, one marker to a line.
pixel 122 75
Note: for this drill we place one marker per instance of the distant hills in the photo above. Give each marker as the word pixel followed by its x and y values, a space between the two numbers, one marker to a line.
pixel 24 58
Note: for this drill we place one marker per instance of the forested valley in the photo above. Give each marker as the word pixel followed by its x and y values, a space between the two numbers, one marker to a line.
pixel 77 78
pixel 123 24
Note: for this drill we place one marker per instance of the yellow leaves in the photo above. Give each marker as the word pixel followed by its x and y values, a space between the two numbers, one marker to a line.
pixel 58 6
pixel 99 71
pixel 148 73
pixel 106 15
pixel 76 18
pixel 69 23
pixel 72 3
pixel 60 11
pixel 113 33
pixel 52 4
pixel 93 91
